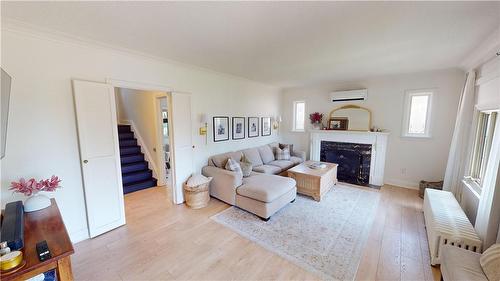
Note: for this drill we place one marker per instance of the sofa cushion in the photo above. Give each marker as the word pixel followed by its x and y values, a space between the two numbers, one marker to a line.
pixel 265 188
pixel 490 262
pixel 246 168
pixel 252 155
pixel 296 160
pixel 220 160
pixel 267 169
pixel 266 153
pixel 283 164
pixel 460 264
pixel 234 166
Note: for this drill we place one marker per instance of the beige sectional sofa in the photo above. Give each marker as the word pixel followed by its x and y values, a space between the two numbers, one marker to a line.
pixel 262 193
pixel 460 264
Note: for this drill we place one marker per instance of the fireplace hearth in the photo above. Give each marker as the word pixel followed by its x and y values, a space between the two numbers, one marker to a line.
pixel 353 159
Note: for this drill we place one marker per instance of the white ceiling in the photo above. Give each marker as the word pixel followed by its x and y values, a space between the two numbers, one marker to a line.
pixel 280 43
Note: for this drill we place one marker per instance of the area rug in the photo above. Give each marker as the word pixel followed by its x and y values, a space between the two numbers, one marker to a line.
pixel 326 238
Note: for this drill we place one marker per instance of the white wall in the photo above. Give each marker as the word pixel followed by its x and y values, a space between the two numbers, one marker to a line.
pixel 408 160
pixel 140 108
pixel 42 136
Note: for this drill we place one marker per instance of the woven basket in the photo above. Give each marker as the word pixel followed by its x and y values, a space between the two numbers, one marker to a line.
pixel 196 196
pixel 429 184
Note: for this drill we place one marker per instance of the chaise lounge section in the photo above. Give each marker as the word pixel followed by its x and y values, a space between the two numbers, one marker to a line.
pixel 263 192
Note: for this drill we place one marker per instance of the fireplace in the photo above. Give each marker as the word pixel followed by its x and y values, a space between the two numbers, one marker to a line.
pixel 353 159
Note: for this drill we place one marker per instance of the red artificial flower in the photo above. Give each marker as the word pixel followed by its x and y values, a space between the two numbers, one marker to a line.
pixel 316 117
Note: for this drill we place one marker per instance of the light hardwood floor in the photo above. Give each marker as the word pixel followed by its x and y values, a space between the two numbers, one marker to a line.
pixel 166 241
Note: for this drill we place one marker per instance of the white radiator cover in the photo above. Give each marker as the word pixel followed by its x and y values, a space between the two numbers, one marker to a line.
pixel 447 224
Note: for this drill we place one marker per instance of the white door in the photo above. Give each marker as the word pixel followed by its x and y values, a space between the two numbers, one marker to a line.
pixel 99 153
pixel 182 147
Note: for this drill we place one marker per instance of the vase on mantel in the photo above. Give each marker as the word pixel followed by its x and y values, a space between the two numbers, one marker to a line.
pixel 316 125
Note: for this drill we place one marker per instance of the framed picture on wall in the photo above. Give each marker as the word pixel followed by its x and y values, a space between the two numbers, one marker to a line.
pixel 253 127
pixel 266 126
pixel 338 123
pixel 221 128
pixel 238 128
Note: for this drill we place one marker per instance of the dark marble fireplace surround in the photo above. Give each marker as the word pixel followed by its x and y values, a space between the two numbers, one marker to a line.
pixel 353 160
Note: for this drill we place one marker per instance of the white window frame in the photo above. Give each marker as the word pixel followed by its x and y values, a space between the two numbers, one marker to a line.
pixel 294 124
pixel 474 183
pixel 406 113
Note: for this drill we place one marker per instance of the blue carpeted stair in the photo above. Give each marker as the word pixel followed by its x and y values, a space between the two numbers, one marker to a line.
pixel 135 172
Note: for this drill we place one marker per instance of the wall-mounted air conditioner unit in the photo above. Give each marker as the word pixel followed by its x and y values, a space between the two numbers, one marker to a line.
pixel 352 95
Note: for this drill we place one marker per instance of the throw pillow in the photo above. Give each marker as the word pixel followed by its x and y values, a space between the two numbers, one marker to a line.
pixel 246 168
pixel 290 147
pixel 197 179
pixel 282 154
pixel 490 262
pixel 234 166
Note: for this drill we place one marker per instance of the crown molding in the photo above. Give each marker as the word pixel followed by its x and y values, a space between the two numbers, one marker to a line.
pixel 484 52
pixel 27 29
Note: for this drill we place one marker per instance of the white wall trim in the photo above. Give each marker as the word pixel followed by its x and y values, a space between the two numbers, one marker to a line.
pixel 493 73
pixel 483 52
pixel 402 183
pixel 160 151
pixel 46 33
pixel 144 149
pixel 80 235
pixel 135 85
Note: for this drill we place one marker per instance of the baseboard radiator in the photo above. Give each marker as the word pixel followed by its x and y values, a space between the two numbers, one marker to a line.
pixel 447 224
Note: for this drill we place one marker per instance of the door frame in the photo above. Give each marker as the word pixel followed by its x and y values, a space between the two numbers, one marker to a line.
pixel 143 86
pixel 160 153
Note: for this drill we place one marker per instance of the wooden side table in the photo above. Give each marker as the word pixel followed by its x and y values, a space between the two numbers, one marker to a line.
pixel 46 224
pixel 314 182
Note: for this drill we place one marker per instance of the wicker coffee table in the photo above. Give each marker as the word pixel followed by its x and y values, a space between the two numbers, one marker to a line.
pixel 314 182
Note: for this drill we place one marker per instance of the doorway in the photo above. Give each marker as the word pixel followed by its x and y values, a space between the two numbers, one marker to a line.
pixel 180 147
pixel 138 139
pixel 164 138
pixel 98 132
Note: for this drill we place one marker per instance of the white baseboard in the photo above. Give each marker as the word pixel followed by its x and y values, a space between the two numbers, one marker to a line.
pixel 144 148
pixel 401 183
pixel 80 235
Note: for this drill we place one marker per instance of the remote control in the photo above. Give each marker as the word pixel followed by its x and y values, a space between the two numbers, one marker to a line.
pixel 43 251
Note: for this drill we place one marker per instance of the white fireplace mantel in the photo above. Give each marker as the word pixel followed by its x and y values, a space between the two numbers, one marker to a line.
pixel 378 141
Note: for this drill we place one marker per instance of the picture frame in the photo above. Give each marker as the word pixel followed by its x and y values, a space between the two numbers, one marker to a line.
pixel 238 128
pixel 221 128
pixel 266 126
pixel 338 123
pixel 253 127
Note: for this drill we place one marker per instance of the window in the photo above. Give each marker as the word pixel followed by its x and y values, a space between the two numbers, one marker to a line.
pixel 482 145
pixel 299 111
pixel 416 121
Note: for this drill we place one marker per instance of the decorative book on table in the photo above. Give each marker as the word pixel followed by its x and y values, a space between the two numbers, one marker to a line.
pixel 317 165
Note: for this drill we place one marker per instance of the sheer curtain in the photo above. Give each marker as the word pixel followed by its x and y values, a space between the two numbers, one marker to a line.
pixel 460 141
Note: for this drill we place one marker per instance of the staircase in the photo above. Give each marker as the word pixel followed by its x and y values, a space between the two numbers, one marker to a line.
pixel 136 174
